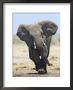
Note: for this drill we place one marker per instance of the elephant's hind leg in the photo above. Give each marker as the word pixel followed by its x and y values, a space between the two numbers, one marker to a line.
pixel 48 63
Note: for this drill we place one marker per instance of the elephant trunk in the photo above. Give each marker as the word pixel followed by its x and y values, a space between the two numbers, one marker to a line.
pixel 41 47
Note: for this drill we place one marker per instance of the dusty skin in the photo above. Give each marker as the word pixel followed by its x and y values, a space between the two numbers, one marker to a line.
pixel 24 67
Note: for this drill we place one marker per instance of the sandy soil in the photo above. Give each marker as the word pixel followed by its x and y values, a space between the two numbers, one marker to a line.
pixel 24 67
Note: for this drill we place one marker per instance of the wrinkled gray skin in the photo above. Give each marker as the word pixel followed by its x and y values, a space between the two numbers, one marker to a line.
pixel 38 39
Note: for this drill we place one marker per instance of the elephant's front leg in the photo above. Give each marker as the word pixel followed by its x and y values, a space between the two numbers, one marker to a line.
pixel 34 57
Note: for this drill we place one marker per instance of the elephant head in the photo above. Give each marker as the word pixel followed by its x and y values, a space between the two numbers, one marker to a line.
pixel 36 36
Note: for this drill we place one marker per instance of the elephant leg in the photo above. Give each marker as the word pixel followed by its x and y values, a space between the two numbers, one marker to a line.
pixel 48 41
pixel 34 57
pixel 49 64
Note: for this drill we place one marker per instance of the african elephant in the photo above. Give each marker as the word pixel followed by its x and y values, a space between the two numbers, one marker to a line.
pixel 38 38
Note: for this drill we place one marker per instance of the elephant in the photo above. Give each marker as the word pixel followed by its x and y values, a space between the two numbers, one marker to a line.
pixel 38 38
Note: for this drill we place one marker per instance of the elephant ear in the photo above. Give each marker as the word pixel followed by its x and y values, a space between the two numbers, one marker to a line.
pixel 23 34
pixel 49 28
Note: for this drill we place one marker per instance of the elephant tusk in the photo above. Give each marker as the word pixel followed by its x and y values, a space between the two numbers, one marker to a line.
pixel 40 57
pixel 34 45
pixel 44 44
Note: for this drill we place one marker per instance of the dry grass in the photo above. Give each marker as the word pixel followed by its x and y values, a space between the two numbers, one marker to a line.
pixel 23 66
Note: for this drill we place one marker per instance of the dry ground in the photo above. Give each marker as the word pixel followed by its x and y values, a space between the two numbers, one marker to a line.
pixel 23 66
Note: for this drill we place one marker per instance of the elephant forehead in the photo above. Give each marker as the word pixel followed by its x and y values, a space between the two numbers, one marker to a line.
pixel 35 30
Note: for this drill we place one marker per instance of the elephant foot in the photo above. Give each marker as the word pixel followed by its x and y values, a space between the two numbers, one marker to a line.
pixel 49 64
pixel 42 71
